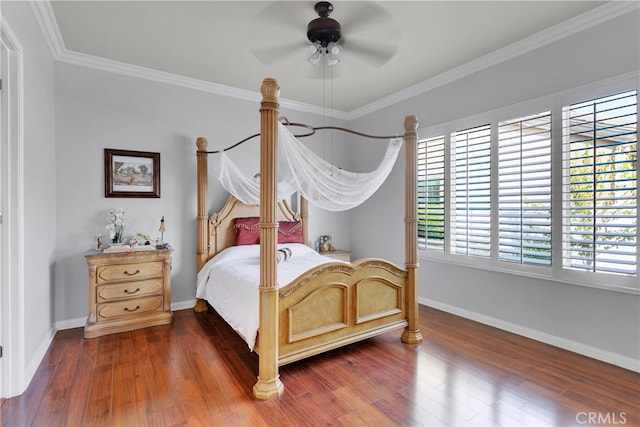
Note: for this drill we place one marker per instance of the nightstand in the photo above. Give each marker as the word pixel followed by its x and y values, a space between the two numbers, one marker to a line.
pixel 338 254
pixel 128 290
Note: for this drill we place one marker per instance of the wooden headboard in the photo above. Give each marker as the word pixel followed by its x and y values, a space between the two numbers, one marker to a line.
pixel 221 232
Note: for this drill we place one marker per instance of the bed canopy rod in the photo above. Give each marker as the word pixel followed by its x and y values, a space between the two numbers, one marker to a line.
pixel 312 131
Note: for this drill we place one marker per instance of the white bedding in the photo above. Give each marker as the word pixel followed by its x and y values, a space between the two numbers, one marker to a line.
pixel 230 280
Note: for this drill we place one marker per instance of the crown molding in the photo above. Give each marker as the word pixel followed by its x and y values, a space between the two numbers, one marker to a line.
pixel 49 26
pixel 149 74
pixel 46 21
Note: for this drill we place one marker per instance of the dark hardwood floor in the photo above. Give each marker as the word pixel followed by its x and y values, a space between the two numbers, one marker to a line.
pixel 198 372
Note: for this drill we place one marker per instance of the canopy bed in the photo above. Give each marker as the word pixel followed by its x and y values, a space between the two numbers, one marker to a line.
pixel 301 312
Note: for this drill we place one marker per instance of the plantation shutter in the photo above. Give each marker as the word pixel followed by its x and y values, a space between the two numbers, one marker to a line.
pixel 600 185
pixel 524 176
pixel 431 189
pixel 470 204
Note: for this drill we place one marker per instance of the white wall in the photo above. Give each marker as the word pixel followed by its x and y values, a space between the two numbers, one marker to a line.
pixel 36 311
pixel 600 323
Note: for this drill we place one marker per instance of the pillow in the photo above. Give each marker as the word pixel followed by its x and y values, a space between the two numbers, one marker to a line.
pixel 290 232
pixel 247 230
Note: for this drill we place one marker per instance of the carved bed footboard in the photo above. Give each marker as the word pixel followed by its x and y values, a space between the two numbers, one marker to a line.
pixel 337 304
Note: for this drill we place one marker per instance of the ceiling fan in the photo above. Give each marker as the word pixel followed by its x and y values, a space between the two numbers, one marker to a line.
pixel 323 30
pixel 367 35
pixel 324 34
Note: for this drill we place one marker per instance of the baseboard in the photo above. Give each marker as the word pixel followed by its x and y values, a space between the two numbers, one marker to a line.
pixel 79 322
pixel 70 323
pixel 37 359
pixel 574 346
pixel 183 305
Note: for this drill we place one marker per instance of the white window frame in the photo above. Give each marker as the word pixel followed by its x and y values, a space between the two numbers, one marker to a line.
pixel 555 104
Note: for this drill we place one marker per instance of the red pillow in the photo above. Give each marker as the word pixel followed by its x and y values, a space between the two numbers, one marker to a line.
pixel 290 232
pixel 247 230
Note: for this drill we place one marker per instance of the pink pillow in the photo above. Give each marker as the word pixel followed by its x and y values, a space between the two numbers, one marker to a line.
pixel 247 230
pixel 290 232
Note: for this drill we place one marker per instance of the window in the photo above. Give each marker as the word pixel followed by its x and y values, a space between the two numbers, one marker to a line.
pixel 524 177
pixel 545 188
pixel 470 190
pixel 431 188
pixel 600 185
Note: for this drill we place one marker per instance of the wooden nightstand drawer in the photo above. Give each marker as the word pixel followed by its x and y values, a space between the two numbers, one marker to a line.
pixel 131 307
pixel 138 271
pixel 129 290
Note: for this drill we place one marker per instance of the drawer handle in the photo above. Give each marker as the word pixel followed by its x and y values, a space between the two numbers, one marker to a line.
pixel 131 274
pixel 127 291
pixel 131 311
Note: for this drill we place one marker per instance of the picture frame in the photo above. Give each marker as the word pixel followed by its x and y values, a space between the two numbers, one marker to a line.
pixel 130 173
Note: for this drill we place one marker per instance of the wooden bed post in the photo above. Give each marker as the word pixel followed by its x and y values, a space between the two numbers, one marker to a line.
pixel 411 334
pixel 203 217
pixel 269 384
pixel 304 217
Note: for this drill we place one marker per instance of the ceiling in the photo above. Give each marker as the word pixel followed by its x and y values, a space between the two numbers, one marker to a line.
pixel 389 46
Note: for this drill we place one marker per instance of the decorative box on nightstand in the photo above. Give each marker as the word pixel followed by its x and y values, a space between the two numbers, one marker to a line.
pixel 128 290
pixel 338 254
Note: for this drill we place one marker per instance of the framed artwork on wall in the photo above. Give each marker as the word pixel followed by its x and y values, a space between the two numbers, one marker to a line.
pixel 131 173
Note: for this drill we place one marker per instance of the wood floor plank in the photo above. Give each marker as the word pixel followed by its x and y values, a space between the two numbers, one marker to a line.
pixel 198 372
pixel 371 415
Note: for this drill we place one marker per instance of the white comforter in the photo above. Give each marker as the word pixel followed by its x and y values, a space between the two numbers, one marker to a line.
pixel 230 280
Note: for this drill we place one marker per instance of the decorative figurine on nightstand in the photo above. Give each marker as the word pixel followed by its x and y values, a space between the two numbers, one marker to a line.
pixel 325 243
pixel 162 244
pixel 161 229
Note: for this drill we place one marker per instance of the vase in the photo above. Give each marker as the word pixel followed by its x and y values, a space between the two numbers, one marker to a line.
pixel 117 237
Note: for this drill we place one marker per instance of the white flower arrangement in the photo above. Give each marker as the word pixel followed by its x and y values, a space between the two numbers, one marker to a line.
pixel 116 225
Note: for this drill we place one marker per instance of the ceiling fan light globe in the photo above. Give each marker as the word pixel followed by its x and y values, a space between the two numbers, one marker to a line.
pixel 314 58
pixel 334 49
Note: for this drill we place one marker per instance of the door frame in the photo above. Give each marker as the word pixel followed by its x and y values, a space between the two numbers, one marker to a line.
pixel 12 308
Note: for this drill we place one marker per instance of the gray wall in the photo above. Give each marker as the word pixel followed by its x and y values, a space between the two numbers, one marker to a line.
pixel 96 110
pixel 598 322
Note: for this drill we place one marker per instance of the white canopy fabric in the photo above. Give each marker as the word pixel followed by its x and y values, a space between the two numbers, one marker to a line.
pixel 301 170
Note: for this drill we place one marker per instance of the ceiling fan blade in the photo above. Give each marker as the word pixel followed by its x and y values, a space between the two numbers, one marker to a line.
pixel 284 15
pixel 364 51
pixel 275 54
pixel 278 32
pixel 357 16
pixel 369 35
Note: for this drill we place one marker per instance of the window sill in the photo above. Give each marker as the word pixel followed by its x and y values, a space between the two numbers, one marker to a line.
pixel 627 285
